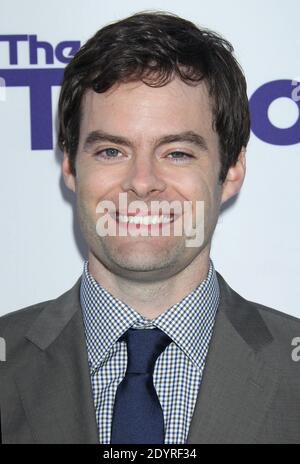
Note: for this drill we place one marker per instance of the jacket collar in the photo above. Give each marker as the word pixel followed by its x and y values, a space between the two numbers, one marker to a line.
pixel 236 389
pixel 54 382
pixel 238 385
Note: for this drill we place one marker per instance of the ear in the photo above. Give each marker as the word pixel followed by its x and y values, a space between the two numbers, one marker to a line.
pixel 69 177
pixel 235 177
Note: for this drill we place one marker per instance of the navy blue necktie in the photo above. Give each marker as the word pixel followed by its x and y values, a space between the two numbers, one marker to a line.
pixel 137 415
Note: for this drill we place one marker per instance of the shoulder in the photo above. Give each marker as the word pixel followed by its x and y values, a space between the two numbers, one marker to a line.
pixel 280 324
pixel 21 319
pixel 13 329
pixel 272 317
pixel 285 331
pixel 272 333
pixel 277 321
pixel 15 325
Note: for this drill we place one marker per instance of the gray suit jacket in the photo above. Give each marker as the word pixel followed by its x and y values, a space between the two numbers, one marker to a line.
pixel 250 391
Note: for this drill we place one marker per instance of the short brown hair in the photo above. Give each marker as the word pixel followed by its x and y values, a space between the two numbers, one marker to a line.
pixel 154 47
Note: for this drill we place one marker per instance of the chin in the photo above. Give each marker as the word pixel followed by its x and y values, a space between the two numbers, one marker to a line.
pixel 139 262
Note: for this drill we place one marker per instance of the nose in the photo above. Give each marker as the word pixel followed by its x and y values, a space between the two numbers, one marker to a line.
pixel 143 177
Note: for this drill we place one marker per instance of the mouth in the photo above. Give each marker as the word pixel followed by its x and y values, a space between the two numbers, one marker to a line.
pixel 144 220
pixel 150 223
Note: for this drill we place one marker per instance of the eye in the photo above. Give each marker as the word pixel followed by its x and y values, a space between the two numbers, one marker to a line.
pixel 180 156
pixel 108 153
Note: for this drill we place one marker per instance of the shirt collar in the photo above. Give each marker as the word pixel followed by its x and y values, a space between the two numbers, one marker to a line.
pixel 189 322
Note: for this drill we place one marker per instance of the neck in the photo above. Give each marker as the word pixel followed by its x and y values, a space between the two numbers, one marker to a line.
pixel 152 298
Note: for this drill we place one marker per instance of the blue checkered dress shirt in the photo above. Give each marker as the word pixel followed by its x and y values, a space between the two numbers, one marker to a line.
pixel 178 370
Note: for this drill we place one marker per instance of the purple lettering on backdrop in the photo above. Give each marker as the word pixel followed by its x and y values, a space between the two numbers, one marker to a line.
pixel 59 51
pixel 34 44
pixel 13 42
pixel 39 82
pixel 260 122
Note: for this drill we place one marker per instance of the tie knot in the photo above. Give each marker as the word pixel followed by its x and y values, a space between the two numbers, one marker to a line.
pixel 143 348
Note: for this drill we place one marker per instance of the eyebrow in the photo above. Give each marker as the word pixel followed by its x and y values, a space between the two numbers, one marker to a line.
pixel 187 136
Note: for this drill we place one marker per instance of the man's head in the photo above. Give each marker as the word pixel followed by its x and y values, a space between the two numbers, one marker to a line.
pixel 139 92
pixel 154 47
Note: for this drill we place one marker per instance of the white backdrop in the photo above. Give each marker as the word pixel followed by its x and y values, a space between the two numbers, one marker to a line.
pixel 256 244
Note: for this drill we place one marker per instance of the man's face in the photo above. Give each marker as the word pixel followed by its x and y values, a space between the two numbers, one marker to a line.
pixel 156 144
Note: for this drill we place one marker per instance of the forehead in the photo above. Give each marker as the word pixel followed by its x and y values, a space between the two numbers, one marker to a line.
pixel 137 109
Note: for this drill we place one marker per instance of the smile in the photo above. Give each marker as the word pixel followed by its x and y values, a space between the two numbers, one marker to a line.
pixel 145 220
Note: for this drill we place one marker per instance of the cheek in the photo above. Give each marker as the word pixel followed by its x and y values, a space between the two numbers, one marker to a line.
pixel 93 184
pixel 203 186
pixel 196 185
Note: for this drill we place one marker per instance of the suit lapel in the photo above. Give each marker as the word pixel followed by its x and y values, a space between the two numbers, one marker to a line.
pixel 55 386
pixel 237 386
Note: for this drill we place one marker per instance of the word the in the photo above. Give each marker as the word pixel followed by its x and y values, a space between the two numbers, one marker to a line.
pixel 50 52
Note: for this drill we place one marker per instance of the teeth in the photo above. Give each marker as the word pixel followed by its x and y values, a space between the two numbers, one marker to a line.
pixel 146 220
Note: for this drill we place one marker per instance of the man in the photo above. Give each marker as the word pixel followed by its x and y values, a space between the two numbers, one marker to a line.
pixel 151 345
